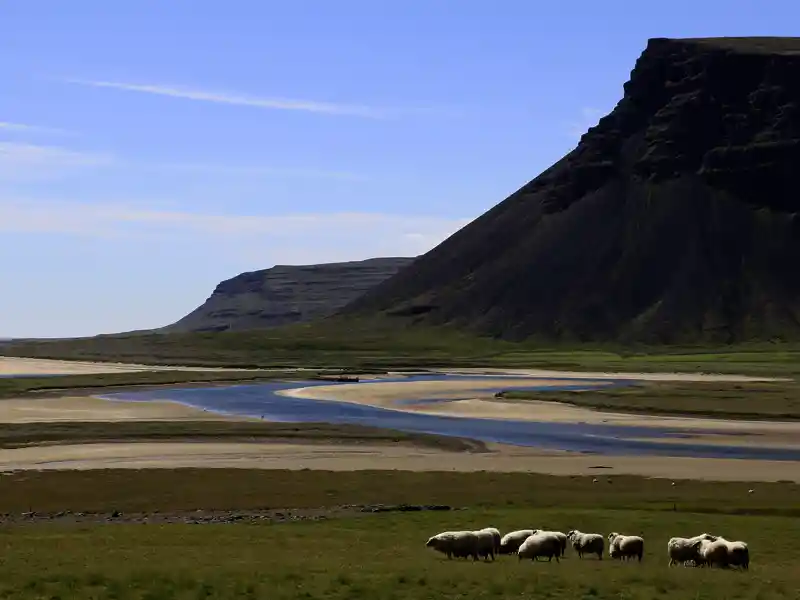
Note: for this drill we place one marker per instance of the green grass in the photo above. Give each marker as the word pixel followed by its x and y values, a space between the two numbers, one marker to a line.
pixel 371 344
pixel 383 556
pixel 14 435
pixel 763 400
pixel 223 489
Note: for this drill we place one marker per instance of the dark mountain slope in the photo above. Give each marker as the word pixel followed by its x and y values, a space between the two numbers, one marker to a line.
pixel 673 221
pixel 285 294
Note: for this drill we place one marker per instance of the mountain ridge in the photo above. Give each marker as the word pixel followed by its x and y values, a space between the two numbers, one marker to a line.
pixel 284 294
pixel 674 220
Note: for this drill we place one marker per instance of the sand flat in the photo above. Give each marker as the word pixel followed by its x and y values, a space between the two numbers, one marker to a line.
pixel 88 408
pixel 10 365
pixel 776 434
pixel 338 457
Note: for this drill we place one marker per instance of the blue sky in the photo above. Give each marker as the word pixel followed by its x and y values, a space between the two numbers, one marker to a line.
pixel 151 148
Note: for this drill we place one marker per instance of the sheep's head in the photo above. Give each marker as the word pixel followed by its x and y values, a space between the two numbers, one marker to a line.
pixel 431 543
pixel 612 536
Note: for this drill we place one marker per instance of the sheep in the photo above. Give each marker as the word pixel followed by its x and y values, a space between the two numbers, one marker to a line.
pixel 587 543
pixel 486 543
pixel 682 550
pixel 513 540
pixel 496 536
pixel 625 546
pixel 562 539
pixel 738 553
pixel 459 544
pixel 540 544
pixel 712 553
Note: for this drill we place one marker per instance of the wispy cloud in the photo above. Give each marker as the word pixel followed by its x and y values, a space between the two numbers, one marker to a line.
pixel 24 128
pixel 32 161
pixel 259 171
pixel 23 161
pixel 31 215
pixel 238 99
pixel 589 118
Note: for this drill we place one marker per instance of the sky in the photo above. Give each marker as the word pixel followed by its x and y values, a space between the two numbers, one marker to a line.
pixel 150 148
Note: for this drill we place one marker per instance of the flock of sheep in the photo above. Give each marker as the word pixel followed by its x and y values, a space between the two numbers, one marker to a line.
pixel 700 551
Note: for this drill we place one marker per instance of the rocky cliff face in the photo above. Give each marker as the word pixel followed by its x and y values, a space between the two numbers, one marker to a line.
pixel 286 294
pixel 674 220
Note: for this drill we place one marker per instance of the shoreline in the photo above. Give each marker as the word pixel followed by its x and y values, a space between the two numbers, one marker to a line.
pixel 369 457
pixel 441 402
pixel 92 405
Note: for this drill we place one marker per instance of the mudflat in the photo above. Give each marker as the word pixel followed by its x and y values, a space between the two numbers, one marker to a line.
pixel 358 457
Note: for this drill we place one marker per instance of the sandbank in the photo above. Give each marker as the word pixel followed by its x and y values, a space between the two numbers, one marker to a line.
pixel 473 401
pixel 92 409
pixel 338 457
pixel 10 365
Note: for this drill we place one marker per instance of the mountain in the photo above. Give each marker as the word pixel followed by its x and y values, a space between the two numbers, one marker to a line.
pixel 285 294
pixel 674 220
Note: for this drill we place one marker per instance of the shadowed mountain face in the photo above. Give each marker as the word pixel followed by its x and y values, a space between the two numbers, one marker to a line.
pixel 285 294
pixel 675 220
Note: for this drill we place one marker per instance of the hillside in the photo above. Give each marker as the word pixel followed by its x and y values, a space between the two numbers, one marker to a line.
pixel 284 295
pixel 675 220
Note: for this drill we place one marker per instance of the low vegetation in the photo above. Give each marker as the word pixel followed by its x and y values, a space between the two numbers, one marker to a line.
pixel 188 489
pixel 762 400
pixel 382 556
pixel 368 344
pixel 14 435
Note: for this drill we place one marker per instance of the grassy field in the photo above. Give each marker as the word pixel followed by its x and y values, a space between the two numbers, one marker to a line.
pixel 227 489
pixel 382 556
pixel 365 344
pixel 763 400
pixel 14 435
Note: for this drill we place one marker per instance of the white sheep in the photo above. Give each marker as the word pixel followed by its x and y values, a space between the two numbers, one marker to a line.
pixel 458 544
pixel 587 543
pixel 485 543
pixel 682 550
pixel 712 553
pixel 738 553
pixel 497 538
pixel 540 544
pixel 562 538
pixel 511 541
pixel 625 546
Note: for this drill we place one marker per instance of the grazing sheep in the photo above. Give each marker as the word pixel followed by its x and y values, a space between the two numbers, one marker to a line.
pixel 540 544
pixel 738 553
pixel 497 538
pixel 712 553
pixel 587 543
pixel 625 546
pixel 485 543
pixel 562 538
pixel 513 540
pixel 682 550
pixel 458 544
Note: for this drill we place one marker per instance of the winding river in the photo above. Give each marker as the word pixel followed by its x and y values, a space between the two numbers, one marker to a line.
pixel 261 400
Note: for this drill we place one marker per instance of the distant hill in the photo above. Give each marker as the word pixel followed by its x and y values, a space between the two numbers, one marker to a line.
pixel 284 295
pixel 675 220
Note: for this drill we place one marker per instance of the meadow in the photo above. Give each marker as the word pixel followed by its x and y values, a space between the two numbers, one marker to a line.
pixel 374 344
pixel 377 556
pixel 779 400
